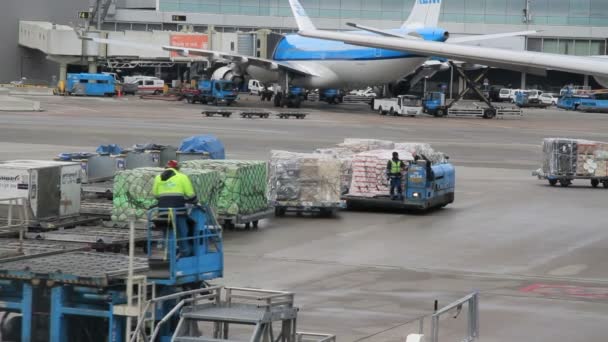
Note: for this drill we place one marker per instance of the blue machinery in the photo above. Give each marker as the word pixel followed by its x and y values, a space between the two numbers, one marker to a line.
pixel 424 189
pixel 78 295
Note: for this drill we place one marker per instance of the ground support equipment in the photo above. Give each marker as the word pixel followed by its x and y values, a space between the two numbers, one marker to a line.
pixel 565 180
pixel 100 189
pixel 222 113
pixel 13 249
pixel 321 209
pixel 288 115
pixel 99 238
pixel 252 114
pixel 249 221
pixel 101 208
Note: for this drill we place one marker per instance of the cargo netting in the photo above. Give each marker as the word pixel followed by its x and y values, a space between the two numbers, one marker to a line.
pixel 133 190
pixel 243 189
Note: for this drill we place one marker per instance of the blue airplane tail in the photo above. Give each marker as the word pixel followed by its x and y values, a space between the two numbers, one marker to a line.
pixel 425 13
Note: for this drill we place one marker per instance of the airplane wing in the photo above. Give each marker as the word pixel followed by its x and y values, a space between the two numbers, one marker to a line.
pixel 528 61
pixel 214 56
pixel 476 38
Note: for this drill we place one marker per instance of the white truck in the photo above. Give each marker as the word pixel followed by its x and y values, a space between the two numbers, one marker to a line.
pixel 407 105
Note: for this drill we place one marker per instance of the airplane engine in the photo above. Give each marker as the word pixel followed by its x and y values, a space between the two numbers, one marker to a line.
pixel 228 73
pixel 603 81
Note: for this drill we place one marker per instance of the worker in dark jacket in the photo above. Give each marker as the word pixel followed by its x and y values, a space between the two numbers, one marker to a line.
pixel 394 169
pixel 173 190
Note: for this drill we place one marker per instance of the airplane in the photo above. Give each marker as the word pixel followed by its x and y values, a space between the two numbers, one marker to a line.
pixel 325 64
pixel 537 63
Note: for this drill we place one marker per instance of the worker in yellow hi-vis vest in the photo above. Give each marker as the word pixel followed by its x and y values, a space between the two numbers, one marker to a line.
pixel 173 189
pixel 394 170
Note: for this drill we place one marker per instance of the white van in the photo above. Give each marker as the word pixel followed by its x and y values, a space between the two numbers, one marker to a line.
pixel 504 95
pixel 255 87
pixel 147 84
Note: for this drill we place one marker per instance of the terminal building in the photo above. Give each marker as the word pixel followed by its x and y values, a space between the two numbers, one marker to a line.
pixel 43 47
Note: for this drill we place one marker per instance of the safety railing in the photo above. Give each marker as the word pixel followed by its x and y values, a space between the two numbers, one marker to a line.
pixel 262 298
pixel 185 297
pixel 471 302
pixel 14 215
pixel 314 337
pixel 210 237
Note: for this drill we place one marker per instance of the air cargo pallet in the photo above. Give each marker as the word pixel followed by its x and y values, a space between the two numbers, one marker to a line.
pixel 321 209
pixel 249 221
pixel 222 113
pixel 287 115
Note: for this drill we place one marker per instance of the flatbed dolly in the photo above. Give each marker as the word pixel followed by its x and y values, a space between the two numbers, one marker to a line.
pixel 565 180
pixel 252 114
pixel 14 249
pixel 287 115
pixel 222 113
pixel 321 209
pixel 249 221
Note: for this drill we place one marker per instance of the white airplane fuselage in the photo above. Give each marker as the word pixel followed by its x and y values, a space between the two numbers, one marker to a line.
pixel 339 65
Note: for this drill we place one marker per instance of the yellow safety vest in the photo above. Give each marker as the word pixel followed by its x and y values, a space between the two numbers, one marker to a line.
pixel 178 185
pixel 395 166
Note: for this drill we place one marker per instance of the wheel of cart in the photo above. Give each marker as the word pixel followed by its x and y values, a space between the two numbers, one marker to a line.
pixel 595 183
pixel 605 183
pixel 552 182
pixel 564 182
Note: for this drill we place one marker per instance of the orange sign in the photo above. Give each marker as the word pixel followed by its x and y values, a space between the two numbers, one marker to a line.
pixel 189 41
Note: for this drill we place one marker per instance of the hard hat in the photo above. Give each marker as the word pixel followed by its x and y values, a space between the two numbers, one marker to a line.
pixel 173 164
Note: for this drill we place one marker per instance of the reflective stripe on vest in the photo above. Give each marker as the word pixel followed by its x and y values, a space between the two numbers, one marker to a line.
pixel 395 166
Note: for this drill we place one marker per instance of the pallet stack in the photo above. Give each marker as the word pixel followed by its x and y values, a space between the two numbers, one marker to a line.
pixel 243 185
pixel 304 179
pixel 575 157
pixel 369 172
pixel 133 190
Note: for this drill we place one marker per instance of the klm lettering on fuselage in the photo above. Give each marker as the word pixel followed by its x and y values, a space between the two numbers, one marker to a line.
pixel 428 2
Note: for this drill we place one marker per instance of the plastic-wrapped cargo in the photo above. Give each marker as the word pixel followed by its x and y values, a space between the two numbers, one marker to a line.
pixel 574 157
pixel 422 149
pixel 304 179
pixel 361 145
pixel 133 190
pixel 243 188
pixel 345 156
pixel 369 172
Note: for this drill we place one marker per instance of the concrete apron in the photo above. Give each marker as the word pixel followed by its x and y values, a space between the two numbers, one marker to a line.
pixel 14 104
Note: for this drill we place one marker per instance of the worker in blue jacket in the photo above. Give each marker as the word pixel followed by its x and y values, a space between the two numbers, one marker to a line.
pixel 394 169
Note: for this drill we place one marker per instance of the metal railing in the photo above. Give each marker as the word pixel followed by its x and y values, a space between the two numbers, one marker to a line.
pixel 195 296
pixel 472 303
pixel 14 215
pixel 264 298
pixel 314 337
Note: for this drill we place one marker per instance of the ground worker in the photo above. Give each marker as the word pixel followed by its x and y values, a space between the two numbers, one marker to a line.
pixel 394 170
pixel 173 189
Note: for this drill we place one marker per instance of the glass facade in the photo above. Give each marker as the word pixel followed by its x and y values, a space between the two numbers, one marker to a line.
pixel 541 12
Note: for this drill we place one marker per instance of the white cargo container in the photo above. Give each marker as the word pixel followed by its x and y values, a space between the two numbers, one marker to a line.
pixel 51 187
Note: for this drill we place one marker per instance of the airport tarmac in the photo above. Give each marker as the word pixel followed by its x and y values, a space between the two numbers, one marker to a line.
pixel 536 254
